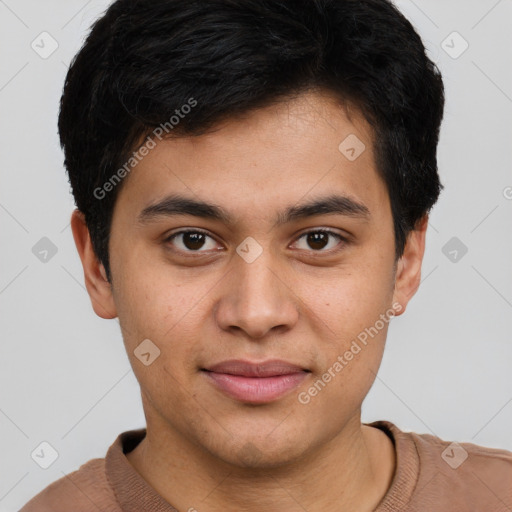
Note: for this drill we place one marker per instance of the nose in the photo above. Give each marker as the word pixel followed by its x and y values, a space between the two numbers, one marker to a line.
pixel 256 298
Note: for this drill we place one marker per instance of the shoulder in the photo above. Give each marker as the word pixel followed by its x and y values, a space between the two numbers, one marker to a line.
pixel 81 491
pixel 434 474
pixel 475 477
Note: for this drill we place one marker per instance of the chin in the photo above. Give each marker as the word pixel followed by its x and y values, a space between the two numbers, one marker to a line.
pixel 262 453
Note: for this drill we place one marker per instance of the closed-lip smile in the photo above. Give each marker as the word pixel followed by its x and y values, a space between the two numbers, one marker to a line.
pixel 255 382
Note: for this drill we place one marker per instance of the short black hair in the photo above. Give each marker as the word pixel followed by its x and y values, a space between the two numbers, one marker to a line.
pixel 143 60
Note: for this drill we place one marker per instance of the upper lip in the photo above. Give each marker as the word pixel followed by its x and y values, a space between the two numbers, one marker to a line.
pixel 243 368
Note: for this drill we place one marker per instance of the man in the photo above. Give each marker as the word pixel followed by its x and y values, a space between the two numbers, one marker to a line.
pixel 253 180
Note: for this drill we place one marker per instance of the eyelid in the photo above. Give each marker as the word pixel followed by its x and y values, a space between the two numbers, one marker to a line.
pixel 342 239
pixel 330 231
pixel 170 237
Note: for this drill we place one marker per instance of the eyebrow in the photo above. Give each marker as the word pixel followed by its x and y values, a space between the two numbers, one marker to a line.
pixel 181 205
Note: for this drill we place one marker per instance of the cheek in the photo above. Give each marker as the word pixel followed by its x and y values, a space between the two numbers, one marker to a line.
pixel 170 315
pixel 357 310
pixel 149 305
pixel 355 299
pixel 164 315
pixel 338 390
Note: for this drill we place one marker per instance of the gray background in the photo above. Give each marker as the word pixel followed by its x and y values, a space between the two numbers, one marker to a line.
pixel 65 377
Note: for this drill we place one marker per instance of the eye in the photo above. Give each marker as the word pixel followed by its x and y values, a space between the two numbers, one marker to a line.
pixel 319 239
pixel 192 241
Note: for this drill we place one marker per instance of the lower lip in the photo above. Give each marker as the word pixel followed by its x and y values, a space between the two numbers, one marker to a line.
pixel 256 390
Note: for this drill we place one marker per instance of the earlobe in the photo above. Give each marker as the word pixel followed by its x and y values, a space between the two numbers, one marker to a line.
pixel 408 271
pixel 96 282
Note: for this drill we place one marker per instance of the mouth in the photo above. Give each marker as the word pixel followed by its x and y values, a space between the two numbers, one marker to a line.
pixel 255 383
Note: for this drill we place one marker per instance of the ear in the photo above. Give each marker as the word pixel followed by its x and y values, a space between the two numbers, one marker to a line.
pixel 408 271
pixel 98 287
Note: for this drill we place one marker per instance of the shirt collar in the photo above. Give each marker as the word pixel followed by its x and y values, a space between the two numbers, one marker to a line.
pixel 134 494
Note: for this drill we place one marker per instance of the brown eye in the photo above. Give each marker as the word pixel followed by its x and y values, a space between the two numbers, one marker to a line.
pixel 319 239
pixel 191 241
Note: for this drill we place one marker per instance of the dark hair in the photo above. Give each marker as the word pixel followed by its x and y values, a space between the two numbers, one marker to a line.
pixel 144 59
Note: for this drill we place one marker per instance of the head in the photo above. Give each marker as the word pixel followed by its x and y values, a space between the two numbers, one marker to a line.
pixel 251 124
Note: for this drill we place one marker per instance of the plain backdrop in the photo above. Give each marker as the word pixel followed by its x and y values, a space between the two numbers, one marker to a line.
pixel 65 377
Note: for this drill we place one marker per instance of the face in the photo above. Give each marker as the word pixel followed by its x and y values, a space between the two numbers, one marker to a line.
pixel 267 312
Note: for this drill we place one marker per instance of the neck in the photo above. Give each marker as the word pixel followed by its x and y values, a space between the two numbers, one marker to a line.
pixel 352 471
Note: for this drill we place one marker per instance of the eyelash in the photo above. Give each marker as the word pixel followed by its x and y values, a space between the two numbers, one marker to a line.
pixel 199 252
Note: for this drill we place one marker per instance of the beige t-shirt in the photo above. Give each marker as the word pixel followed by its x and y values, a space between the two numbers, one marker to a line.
pixel 431 475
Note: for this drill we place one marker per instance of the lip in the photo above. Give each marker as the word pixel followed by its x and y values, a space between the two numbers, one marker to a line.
pixel 253 382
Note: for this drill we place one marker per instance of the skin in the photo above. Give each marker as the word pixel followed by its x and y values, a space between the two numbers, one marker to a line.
pixel 298 302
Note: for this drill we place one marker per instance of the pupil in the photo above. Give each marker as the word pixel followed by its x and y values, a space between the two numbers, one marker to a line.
pixel 315 238
pixel 193 241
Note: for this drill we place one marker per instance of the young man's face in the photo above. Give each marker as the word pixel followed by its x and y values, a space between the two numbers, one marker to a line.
pixel 258 288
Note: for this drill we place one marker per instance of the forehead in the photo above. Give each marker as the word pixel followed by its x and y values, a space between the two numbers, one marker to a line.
pixel 279 155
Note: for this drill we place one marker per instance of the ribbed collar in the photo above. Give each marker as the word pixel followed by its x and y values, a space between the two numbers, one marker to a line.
pixel 407 469
pixel 135 494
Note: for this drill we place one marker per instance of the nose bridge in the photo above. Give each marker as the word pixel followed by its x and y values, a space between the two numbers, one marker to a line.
pixel 257 280
pixel 255 299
